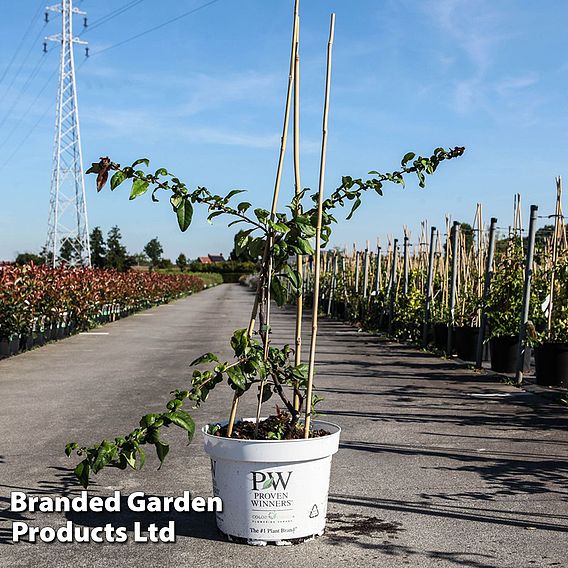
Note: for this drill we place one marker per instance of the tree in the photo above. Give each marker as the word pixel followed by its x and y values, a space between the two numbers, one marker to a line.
pixel 154 251
pixel 117 256
pixel 47 256
pixel 98 250
pixel 27 257
pixel 68 250
pixel 181 262
pixel 140 259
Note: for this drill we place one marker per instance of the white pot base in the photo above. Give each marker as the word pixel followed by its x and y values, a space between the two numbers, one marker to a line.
pixel 253 542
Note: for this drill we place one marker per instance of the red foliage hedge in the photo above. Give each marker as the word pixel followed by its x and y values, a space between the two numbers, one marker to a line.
pixel 33 298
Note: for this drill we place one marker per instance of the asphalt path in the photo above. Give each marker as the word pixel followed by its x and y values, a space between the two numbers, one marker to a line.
pixel 438 465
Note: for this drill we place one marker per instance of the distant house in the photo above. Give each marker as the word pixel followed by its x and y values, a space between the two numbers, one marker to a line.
pixel 211 258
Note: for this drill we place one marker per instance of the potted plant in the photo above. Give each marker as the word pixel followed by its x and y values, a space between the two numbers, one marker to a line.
pixel 288 452
pixel 551 351
pixel 466 331
pixel 504 305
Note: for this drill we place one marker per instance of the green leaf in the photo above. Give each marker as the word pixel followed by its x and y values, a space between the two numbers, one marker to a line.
pixel 175 200
pixel 117 179
pixel 207 358
pixel 130 458
pixel 268 483
pixel 142 456
pixel 354 208
pixel 139 187
pixel 278 291
pixel 162 450
pixel 266 392
pixel 212 216
pixel 70 447
pixel 261 215
pixel 240 342
pixel 161 172
pixel 305 246
pixel 147 420
pixel 292 275
pixel 236 377
pixel 82 473
pixel 407 157
pixel 233 193
pixel 256 247
pixel 243 206
pixel 184 214
pixel 182 419
pixel 144 161
pixel 278 227
pixel 241 240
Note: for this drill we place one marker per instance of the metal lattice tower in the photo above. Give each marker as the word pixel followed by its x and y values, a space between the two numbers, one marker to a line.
pixel 67 227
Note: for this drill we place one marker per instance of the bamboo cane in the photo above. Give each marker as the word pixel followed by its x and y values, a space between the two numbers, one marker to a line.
pixel 311 367
pixel 297 188
pixel 558 223
pixel 275 195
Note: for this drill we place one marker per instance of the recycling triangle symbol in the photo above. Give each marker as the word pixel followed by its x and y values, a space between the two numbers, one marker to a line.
pixel 314 512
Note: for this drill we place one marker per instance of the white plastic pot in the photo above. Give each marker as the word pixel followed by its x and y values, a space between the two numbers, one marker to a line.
pixel 273 491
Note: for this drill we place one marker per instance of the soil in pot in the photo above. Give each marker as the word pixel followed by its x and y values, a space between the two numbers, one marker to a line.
pixel 551 360
pixel 276 427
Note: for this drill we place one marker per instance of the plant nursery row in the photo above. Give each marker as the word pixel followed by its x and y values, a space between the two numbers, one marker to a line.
pixel 465 291
pixel 40 304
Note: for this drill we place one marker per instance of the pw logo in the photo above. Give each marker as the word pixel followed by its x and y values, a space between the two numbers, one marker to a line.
pixel 267 479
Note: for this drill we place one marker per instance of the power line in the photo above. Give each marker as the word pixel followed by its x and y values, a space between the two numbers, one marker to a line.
pixel 159 26
pixel 111 15
pixel 32 105
pixel 32 46
pixel 24 140
pixel 26 33
pixel 24 88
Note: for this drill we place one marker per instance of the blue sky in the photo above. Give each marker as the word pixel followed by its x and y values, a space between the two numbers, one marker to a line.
pixel 204 97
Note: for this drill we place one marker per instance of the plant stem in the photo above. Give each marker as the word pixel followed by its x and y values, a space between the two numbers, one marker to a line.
pixel 317 267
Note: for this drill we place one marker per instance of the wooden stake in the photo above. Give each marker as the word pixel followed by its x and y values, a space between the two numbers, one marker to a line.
pixel 312 361
pixel 297 189
pixel 556 236
pixel 275 194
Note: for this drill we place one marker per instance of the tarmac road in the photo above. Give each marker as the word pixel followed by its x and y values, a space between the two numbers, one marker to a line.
pixel 438 466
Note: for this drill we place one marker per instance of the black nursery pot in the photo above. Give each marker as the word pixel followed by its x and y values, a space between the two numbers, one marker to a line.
pixel 551 360
pixel 465 342
pixel 26 342
pixel 338 309
pixel 441 336
pixel 4 348
pixel 504 354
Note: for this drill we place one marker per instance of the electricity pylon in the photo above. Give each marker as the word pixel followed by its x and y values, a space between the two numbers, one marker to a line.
pixel 68 232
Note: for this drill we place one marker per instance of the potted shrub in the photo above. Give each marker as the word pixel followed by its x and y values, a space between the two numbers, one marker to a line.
pixel 504 305
pixel 466 332
pixel 551 352
pixel 288 450
pixel 276 443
